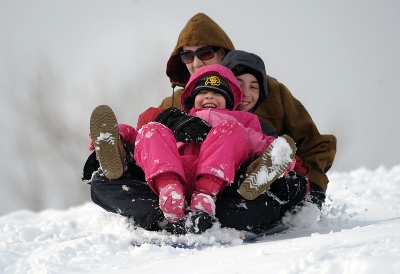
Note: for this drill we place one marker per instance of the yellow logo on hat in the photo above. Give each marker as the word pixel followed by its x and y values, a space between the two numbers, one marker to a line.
pixel 212 81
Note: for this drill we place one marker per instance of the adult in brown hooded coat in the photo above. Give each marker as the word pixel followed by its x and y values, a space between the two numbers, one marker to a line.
pixel 280 109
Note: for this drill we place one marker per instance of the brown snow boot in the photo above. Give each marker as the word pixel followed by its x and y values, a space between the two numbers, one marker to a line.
pixel 264 170
pixel 109 149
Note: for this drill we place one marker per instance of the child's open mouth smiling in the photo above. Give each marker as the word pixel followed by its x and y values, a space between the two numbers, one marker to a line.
pixel 209 105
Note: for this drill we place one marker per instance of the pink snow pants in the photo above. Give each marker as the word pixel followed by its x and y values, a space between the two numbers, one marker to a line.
pixel 221 153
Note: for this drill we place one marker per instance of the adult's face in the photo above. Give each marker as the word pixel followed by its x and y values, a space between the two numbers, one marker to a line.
pixel 197 63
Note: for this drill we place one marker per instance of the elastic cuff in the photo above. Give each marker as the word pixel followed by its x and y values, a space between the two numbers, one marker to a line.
pixel 163 179
pixel 209 184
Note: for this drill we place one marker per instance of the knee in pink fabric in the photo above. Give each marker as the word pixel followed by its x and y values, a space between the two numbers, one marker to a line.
pixel 156 151
pixel 148 131
pixel 223 151
pixel 127 133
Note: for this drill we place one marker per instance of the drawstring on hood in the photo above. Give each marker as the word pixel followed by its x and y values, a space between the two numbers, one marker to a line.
pixel 173 93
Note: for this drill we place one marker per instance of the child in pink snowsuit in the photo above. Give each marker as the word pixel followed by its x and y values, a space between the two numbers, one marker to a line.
pixel 199 171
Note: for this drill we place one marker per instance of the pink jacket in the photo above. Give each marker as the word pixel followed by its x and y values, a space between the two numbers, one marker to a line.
pixel 257 141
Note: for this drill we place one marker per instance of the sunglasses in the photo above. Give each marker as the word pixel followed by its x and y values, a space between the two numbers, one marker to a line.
pixel 206 53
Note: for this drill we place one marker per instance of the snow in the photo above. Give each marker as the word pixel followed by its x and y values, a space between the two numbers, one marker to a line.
pixel 59 51
pixel 61 59
pixel 281 151
pixel 280 157
pixel 105 136
pixel 358 231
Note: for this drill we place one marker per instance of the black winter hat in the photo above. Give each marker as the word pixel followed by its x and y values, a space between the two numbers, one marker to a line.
pixel 243 69
pixel 213 83
pixel 237 58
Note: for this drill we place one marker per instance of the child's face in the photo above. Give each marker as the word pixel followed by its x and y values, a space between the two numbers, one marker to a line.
pixel 209 99
pixel 250 89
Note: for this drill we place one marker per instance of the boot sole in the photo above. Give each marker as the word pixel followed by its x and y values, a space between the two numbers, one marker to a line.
pixel 251 188
pixel 104 133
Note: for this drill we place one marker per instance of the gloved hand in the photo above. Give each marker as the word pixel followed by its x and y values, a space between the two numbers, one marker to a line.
pixel 186 128
pixel 291 190
pixel 316 195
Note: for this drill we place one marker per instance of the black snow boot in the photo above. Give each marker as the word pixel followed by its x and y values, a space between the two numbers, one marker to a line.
pixel 193 223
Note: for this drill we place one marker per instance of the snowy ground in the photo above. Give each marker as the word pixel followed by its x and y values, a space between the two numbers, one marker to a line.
pixel 357 232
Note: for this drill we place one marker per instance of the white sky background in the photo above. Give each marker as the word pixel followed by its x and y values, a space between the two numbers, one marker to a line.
pixel 339 58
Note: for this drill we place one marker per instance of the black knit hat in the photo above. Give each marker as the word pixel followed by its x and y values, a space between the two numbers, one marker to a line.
pixel 213 83
pixel 242 69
